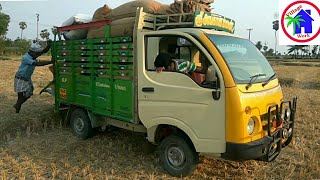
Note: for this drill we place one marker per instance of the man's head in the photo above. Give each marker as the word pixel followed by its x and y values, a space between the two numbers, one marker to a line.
pixel 163 61
pixel 35 50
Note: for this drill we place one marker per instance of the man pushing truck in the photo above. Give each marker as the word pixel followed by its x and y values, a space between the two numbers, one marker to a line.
pixel 23 84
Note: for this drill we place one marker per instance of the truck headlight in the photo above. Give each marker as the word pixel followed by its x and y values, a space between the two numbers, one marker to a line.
pixel 250 126
pixel 286 114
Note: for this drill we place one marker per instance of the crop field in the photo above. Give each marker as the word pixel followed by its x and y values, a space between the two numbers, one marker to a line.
pixel 36 144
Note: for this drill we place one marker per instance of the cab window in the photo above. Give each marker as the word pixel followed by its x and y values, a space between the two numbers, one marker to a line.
pixel 176 54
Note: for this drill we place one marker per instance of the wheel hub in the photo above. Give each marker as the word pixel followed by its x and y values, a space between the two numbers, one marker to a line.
pixel 176 156
pixel 79 124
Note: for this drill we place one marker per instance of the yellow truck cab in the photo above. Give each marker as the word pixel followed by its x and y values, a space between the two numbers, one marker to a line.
pixel 232 108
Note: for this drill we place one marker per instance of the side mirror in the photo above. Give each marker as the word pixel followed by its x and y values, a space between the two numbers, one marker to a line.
pixel 212 79
pixel 211 74
pixel 183 42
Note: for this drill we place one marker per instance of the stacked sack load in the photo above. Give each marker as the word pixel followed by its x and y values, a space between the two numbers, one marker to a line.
pixel 123 17
pixel 195 5
pixel 79 33
pixel 188 6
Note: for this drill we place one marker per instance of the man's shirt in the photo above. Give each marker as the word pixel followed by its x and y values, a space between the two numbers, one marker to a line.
pixel 184 65
pixel 26 68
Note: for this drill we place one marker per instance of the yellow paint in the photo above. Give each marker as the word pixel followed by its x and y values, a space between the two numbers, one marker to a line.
pixel 257 97
pixel 198 21
pixel 63 93
pixel 204 19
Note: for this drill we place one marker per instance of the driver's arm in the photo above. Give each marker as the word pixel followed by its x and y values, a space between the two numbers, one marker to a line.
pixel 200 69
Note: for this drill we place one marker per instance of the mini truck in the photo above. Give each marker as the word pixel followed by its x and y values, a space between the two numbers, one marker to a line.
pixel 232 110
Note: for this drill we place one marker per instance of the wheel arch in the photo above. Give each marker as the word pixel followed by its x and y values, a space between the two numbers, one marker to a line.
pixel 90 115
pixel 158 132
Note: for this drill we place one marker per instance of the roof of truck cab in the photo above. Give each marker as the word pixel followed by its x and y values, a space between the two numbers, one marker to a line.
pixel 199 31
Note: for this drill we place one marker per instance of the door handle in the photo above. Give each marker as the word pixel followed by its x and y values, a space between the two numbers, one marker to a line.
pixel 148 89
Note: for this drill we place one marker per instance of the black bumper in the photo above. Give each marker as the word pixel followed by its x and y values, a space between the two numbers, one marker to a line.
pixel 253 150
pixel 267 148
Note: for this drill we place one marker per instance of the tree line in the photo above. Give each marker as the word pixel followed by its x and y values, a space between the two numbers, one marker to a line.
pixel 294 51
pixel 19 45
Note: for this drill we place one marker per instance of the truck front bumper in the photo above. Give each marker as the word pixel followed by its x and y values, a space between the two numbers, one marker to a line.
pixel 267 148
pixel 248 151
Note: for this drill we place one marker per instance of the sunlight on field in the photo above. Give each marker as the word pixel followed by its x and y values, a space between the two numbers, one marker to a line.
pixel 36 145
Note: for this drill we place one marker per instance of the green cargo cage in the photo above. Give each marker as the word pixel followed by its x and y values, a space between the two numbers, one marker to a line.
pixel 96 74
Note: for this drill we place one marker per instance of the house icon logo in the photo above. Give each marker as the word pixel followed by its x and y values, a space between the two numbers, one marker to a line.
pixel 300 22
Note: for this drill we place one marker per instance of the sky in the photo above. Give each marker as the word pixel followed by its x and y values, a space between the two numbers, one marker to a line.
pixel 248 14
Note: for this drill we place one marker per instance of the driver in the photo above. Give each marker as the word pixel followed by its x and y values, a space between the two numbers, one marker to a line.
pixel 163 62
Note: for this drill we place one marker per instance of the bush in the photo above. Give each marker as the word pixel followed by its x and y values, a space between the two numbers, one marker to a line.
pixel 17 47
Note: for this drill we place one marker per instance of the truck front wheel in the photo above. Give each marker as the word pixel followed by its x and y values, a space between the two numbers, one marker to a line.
pixel 80 124
pixel 178 156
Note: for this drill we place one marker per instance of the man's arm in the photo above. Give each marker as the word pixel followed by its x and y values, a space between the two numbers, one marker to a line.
pixel 46 49
pixel 201 69
pixel 41 63
pixel 192 67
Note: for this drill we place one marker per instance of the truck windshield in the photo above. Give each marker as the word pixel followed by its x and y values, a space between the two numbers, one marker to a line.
pixel 243 59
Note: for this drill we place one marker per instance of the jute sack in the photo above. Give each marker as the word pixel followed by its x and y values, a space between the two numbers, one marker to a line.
pixel 188 6
pixel 121 27
pixel 79 33
pixel 129 9
pixel 100 13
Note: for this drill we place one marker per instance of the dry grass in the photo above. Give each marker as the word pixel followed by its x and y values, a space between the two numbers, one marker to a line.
pixel 34 144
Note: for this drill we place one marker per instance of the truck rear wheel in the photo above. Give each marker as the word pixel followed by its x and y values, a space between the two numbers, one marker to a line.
pixel 80 124
pixel 178 157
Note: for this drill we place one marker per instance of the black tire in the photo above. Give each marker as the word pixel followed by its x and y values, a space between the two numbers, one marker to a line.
pixel 80 124
pixel 185 159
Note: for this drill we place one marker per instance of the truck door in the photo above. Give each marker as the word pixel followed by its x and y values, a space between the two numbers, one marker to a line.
pixel 182 99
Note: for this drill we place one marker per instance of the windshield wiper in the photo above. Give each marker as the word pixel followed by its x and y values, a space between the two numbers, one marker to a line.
pixel 253 79
pixel 267 81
